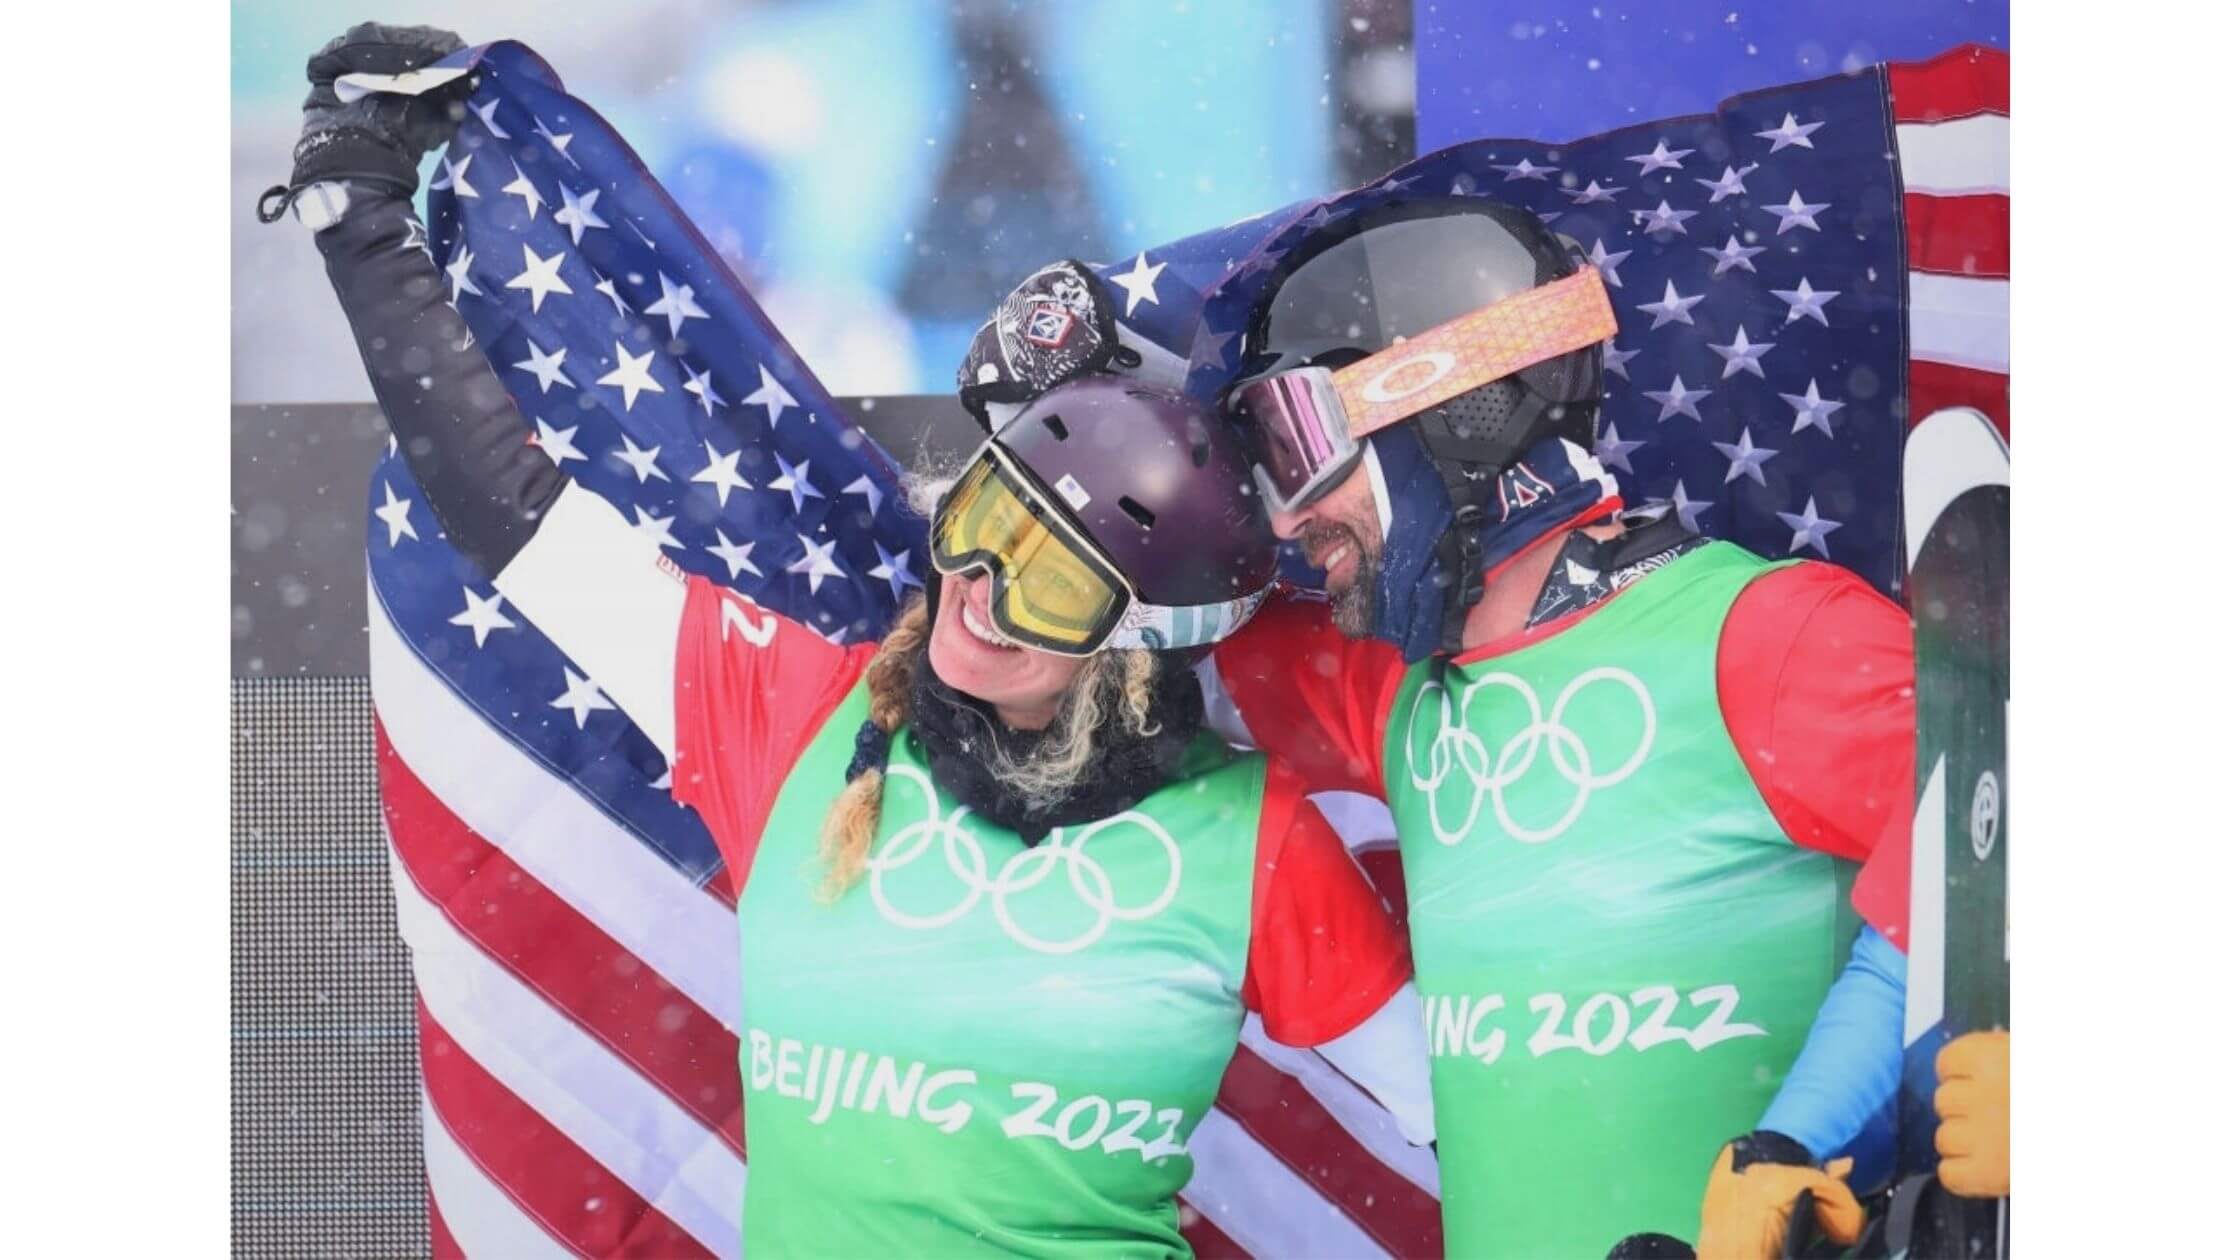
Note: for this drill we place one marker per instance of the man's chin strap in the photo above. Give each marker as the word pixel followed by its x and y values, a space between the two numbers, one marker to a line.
pixel 1436 557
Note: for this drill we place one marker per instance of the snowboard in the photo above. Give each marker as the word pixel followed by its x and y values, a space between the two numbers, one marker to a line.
pixel 1956 514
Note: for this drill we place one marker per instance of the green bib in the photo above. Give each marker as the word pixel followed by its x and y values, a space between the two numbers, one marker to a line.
pixel 984 1047
pixel 1619 951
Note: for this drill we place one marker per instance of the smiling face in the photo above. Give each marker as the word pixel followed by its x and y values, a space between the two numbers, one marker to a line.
pixel 1342 538
pixel 1022 684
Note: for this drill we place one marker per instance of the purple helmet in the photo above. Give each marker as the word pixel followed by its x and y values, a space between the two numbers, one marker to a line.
pixel 1156 481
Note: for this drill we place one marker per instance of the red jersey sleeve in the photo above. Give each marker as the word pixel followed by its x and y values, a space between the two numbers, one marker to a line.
pixel 752 689
pixel 1816 683
pixel 1325 952
pixel 1310 696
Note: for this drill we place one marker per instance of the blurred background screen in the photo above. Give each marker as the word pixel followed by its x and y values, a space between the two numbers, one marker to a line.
pixel 880 172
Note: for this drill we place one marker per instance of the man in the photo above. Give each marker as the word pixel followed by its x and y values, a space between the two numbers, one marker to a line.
pixel 1636 773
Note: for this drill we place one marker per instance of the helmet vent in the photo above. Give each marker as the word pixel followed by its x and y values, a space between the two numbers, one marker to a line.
pixel 1137 512
pixel 1056 426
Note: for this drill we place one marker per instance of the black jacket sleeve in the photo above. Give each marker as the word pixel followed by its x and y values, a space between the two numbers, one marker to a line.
pixel 461 433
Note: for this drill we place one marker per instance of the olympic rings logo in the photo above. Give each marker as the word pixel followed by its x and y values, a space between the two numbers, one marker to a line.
pixel 1026 870
pixel 1457 748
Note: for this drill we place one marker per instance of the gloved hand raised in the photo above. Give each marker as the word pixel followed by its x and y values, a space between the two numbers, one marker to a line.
pixel 1754 1187
pixel 350 133
pixel 1971 1107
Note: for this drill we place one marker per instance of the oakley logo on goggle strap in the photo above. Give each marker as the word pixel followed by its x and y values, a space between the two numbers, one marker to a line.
pixel 1409 377
pixel 1476 349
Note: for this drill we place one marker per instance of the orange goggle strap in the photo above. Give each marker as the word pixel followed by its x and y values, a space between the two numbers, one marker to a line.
pixel 1475 349
pixel 1141 623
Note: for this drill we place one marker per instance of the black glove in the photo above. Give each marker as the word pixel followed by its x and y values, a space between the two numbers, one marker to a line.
pixel 379 137
pixel 1056 326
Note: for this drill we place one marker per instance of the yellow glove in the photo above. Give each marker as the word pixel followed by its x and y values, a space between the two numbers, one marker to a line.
pixel 1746 1214
pixel 1972 1115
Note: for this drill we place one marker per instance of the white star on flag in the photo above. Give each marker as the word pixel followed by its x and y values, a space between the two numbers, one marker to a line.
pixel 1813 411
pixel 1607 263
pixel 1728 184
pixel 640 461
pixel 482 615
pixel 771 397
pixel 396 513
pixel 540 276
pixel 895 569
pixel 454 177
pixel 676 304
pixel 1687 508
pixel 734 556
pixel 1746 458
pixel 1805 302
pixel 1614 359
pixel 559 445
pixel 1672 308
pixel 722 472
pixel 1797 213
pixel 1677 401
pixel 545 367
pixel 1142 283
pixel 559 143
pixel 1614 451
pixel 1811 528
pixel 577 213
pixel 1789 133
pixel 696 384
pixel 1742 354
pixel 1663 219
pixel 655 527
pixel 632 375
pixel 870 492
pixel 1523 168
pixel 582 697
pixel 1595 192
pixel 489 115
pixel 1733 254
pixel 817 562
pixel 795 481
pixel 527 191
pixel 462 258
pixel 1660 158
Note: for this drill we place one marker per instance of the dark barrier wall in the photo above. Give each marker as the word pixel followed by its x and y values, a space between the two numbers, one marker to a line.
pixel 325 1077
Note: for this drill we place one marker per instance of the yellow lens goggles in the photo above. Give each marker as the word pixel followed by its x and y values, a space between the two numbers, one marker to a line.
pixel 1052 589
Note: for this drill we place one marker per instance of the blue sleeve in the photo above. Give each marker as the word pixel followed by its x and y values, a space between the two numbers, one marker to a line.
pixel 1847 1075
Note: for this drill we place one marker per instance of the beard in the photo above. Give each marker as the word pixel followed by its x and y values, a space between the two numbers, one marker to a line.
pixel 1352 609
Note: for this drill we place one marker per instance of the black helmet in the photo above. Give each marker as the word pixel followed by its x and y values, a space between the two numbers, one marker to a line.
pixel 1365 280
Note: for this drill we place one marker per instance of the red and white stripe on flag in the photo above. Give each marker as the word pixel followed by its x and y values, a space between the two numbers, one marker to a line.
pixel 578 1005
pixel 1951 118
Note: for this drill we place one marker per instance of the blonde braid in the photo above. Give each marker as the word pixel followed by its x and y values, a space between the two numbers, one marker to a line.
pixel 854 818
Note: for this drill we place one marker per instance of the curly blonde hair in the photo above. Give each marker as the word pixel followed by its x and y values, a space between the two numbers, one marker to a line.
pixel 1118 684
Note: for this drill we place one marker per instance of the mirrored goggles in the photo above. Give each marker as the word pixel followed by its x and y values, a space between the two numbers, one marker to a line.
pixel 1053 588
pixel 1307 424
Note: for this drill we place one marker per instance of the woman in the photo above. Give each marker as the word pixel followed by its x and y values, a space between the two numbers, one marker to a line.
pixel 948 1045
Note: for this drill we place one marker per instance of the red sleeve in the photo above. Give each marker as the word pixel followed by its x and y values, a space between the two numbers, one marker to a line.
pixel 1325 951
pixel 1816 683
pixel 1311 697
pixel 752 688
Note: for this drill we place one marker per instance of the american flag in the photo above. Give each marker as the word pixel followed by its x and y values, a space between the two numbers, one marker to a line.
pixel 574 946
pixel 1798 278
